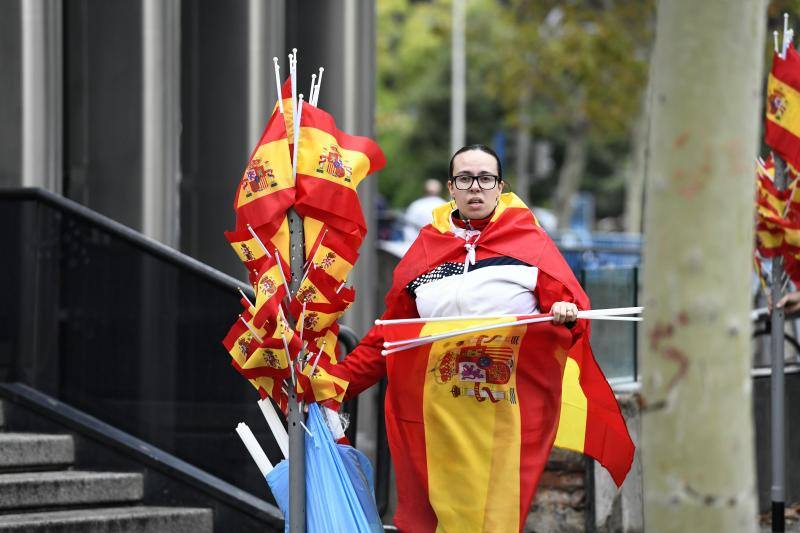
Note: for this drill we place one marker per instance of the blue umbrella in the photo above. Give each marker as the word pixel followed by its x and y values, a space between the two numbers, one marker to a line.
pixel 339 495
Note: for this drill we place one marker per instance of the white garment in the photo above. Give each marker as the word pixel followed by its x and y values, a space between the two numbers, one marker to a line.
pixel 502 289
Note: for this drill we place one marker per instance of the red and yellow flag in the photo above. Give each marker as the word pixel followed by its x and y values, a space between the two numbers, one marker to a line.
pixel 316 382
pixel 266 188
pixel 320 301
pixel 492 403
pixel 270 292
pixel 783 106
pixel 330 165
pixel 241 344
pixel 273 236
pixel 333 255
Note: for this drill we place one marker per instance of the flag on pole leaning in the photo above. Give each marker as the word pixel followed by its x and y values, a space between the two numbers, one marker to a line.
pixel 320 300
pixel 266 190
pixel 253 250
pixel 270 291
pixel 783 106
pixel 330 165
pixel 332 253
pixel 241 342
pixel 316 382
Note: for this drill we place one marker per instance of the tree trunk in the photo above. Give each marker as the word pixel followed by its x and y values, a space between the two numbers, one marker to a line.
pixel 635 168
pixel 696 387
pixel 570 174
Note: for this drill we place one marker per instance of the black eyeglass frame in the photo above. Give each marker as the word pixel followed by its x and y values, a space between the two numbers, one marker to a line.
pixel 477 178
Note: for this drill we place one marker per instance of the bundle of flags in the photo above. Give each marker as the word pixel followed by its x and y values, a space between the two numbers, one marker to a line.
pixel 302 161
pixel 778 210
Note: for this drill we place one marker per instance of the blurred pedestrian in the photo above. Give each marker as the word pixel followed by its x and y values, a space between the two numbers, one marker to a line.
pixel 420 212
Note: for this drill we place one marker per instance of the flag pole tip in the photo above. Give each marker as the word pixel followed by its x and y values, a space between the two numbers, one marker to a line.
pixel 384 352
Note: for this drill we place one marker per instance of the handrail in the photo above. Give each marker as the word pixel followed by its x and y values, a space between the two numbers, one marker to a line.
pixel 143 242
pixel 143 452
pixel 128 234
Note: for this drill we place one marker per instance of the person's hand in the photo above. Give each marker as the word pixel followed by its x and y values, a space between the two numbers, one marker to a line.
pixel 564 312
pixel 790 302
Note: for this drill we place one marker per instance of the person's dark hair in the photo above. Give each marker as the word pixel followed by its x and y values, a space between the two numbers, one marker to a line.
pixel 481 148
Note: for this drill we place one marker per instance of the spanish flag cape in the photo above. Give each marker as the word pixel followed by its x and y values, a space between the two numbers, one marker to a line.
pixel 467 465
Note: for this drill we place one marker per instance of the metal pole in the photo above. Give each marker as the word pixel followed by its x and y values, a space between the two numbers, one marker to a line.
pixel 777 396
pixel 297 449
pixel 458 93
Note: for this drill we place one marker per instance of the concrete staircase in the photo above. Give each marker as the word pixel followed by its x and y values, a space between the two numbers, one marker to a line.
pixel 41 491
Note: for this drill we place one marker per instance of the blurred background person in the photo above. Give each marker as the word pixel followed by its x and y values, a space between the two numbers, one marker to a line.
pixel 420 212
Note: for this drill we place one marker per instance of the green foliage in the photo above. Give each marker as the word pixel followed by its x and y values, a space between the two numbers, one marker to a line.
pixel 576 67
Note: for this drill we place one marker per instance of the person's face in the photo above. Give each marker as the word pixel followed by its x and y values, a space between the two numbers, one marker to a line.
pixel 474 202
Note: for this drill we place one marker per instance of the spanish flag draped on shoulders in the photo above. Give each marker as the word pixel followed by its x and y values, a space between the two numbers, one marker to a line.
pixel 471 421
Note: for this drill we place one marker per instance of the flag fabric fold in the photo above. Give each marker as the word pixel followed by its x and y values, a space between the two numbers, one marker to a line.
pixel 589 419
pixel 266 189
pixel 330 165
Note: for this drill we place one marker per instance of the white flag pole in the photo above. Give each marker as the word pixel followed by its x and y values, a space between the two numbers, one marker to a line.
pixel 293 77
pixel 313 88
pixel 259 241
pixel 255 449
pixel 275 425
pixel 298 116
pixel 319 84
pixel 614 311
pixel 406 344
pixel 278 83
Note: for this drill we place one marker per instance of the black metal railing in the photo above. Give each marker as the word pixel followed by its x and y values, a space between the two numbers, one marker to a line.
pixel 127 330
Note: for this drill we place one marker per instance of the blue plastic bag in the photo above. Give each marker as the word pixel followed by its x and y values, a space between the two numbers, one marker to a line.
pixel 339 495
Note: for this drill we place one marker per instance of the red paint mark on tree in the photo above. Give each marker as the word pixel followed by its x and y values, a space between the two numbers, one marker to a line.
pixel 674 354
pixel 681 139
pixel 689 191
pixel 659 332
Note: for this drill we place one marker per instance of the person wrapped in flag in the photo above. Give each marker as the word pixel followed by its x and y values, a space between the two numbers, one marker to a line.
pixel 471 423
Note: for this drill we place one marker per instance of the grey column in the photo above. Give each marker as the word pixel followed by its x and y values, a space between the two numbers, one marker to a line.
pixel 42 105
pixel 359 118
pixel 265 39
pixel 161 119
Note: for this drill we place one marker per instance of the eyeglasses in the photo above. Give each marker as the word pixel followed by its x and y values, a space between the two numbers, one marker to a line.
pixel 486 182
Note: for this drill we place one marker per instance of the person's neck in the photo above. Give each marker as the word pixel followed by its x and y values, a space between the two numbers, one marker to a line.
pixel 471 223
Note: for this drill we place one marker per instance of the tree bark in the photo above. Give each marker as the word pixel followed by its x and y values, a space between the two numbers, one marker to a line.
pixel 696 387
pixel 570 174
pixel 635 168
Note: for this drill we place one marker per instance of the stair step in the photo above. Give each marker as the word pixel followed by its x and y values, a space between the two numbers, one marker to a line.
pixel 48 489
pixel 139 519
pixel 32 449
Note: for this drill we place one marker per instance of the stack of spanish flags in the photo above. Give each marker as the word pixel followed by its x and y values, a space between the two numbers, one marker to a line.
pixel 778 211
pixel 302 161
